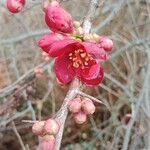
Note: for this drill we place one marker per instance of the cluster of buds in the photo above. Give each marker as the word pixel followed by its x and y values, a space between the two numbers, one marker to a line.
pixel 15 6
pixel 81 107
pixel 38 72
pixel 47 130
pixel 102 41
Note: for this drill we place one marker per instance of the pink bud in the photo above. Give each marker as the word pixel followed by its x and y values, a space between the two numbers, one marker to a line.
pixel 88 106
pixel 80 117
pixel 51 127
pixel 58 19
pixel 75 105
pixel 38 127
pixel 38 72
pixel 48 144
pixel 106 43
pixel 15 6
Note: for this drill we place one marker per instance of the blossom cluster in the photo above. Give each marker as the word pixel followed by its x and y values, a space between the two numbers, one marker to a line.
pixel 76 53
pixel 47 130
pixel 81 107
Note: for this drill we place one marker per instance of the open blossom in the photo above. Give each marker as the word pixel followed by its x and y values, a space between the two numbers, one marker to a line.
pixel 74 58
pixel 15 6
pixel 77 59
pixel 57 18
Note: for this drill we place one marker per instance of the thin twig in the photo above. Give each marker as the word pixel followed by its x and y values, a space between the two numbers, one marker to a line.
pixel 18 136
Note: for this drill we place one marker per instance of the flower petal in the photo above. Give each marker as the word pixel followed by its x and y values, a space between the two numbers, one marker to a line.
pixel 93 75
pixel 58 48
pixel 94 50
pixel 48 39
pixel 63 70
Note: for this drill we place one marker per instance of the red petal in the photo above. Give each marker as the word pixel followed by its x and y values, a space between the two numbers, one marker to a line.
pixel 47 40
pixel 92 75
pixel 63 70
pixel 58 47
pixel 94 50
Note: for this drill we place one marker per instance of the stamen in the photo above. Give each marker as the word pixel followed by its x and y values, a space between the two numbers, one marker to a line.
pixel 75 64
pixel 83 55
pixel 70 54
pixel 85 63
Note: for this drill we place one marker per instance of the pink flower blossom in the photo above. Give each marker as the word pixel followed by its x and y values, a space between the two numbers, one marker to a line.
pixel 15 6
pixel 58 19
pixel 77 59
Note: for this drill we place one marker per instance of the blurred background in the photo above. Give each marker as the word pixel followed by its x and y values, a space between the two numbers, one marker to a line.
pixel 125 89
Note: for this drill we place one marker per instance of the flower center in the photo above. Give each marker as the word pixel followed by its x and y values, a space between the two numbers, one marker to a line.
pixel 80 58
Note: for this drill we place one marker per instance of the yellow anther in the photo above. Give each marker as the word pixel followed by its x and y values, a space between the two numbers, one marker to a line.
pixel 75 64
pixel 85 63
pixel 76 24
pixel 86 58
pixel 70 54
pixel 83 55
pixel 80 50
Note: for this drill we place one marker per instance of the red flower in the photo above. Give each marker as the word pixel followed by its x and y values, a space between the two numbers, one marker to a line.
pixel 77 59
pixel 15 6
pixel 58 19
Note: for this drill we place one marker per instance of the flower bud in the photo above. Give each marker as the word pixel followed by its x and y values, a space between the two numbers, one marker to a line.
pixel 79 30
pixel 76 24
pixel 88 106
pixel 48 143
pixel 38 127
pixel 51 127
pixel 15 6
pixel 106 43
pixel 58 19
pixel 75 105
pixel 80 117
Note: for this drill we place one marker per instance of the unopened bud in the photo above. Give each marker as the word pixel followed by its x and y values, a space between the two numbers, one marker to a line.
pixel 75 105
pixel 79 30
pixel 37 128
pixel 51 127
pixel 76 24
pixel 80 117
pixel 87 106
pixel 106 43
